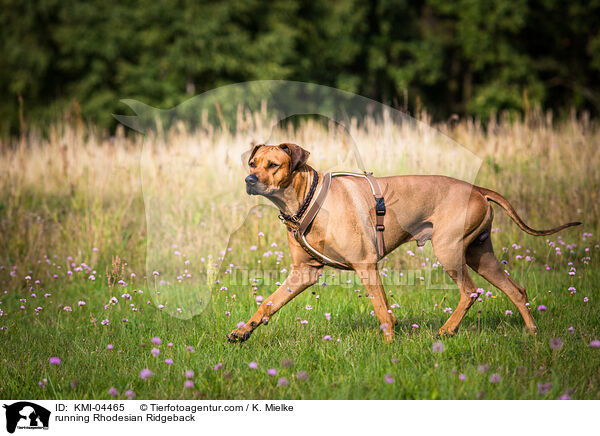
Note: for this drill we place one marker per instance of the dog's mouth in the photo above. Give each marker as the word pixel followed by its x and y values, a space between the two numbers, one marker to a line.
pixel 256 189
pixel 259 189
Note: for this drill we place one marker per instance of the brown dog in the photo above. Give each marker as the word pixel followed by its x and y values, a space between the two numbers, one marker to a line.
pixel 455 215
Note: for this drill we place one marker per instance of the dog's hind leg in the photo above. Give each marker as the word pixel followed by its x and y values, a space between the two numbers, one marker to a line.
pixel 482 259
pixel 451 255
pixel 369 275
pixel 468 295
pixel 297 281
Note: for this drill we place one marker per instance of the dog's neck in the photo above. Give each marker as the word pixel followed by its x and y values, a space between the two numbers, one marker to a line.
pixel 289 199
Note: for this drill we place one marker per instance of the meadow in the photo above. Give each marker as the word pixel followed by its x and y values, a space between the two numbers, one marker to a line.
pixel 126 259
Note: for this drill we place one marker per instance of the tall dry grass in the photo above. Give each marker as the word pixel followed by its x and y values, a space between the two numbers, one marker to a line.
pixel 74 189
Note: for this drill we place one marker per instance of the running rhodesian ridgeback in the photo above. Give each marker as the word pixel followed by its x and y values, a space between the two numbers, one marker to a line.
pixel 456 216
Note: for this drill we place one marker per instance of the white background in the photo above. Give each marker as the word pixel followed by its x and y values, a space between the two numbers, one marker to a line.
pixel 311 418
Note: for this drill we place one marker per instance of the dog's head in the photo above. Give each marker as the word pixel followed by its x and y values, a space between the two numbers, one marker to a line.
pixel 272 167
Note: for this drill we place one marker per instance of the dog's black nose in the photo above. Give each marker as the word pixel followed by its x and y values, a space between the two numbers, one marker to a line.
pixel 251 180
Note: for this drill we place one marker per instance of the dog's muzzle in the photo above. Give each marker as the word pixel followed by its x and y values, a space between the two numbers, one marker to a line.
pixel 251 182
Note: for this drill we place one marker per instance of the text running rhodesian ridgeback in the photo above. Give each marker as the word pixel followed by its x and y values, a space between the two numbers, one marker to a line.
pixel 456 216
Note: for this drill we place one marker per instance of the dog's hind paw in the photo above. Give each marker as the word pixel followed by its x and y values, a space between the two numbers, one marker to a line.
pixel 445 333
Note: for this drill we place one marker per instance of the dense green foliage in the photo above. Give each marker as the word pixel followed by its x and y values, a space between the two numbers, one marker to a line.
pixel 466 57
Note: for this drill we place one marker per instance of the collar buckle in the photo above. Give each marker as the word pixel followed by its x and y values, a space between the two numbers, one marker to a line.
pixel 288 218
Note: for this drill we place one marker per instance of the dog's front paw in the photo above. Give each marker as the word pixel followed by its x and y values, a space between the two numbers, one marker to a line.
pixel 238 336
pixel 388 337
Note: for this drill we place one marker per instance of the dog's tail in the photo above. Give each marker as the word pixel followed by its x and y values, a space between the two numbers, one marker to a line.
pixel 503 202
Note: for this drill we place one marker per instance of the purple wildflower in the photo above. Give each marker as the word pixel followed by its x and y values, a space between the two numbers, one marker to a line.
pixel 302 375
pixel 556 343
pixel 544 388
pixel 437 347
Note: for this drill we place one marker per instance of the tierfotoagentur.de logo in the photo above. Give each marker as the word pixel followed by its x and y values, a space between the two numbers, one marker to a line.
pixel 26 415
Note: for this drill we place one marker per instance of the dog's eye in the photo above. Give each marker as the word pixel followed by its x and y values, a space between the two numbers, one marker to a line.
pixel 272 165
pixel 252 164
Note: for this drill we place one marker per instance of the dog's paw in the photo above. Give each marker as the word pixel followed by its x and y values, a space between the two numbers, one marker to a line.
pixel 236 336
pixel 388 338
pixel 445 333
pixel 532 330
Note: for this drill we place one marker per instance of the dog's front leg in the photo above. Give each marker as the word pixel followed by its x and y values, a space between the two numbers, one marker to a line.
pixel 298 280
pixel 369 275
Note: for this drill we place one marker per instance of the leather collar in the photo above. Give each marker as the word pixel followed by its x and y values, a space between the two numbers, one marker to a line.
pixel 295 219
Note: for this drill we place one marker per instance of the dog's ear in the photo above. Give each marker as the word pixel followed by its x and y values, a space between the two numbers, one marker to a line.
pixel 254 150
pixel 298 155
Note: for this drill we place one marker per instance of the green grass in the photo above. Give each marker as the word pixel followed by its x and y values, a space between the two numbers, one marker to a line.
pixel 63 195
pixel 489 342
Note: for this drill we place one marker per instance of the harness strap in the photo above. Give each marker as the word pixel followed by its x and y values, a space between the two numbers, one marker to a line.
pixel 299 232
pixel 316 206
pixel 379 214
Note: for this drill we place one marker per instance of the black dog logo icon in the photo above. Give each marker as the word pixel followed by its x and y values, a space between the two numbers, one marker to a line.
pixel 27 415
